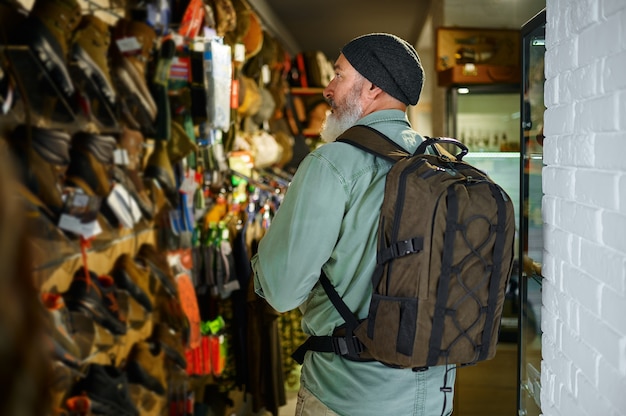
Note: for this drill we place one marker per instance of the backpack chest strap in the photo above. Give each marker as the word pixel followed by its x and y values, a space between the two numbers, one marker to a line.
pixel 400 248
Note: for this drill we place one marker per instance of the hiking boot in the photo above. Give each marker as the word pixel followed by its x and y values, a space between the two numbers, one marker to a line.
pixel 133 142
pixel 180 144
pixel 159 167
pixel 60 17
pixel 146 38
pixel 109 290
pixel 95 297
pixel 89 53
pixel 123 177
pixel 167 304
pixel 46 31
pixel 159 199
pixel 135 279
pixel 157 262
pixel 87 336
pixel 59 325
pixel 146 366
pixel 92 161
pixel 128 71
pixel 169 311
pixel 62 379
pixel 44 155
pixel 107 389
pixel 33 207
pixel 129 171
pixel 171 342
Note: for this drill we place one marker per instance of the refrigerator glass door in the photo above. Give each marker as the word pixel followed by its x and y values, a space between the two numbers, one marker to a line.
pixel 531 222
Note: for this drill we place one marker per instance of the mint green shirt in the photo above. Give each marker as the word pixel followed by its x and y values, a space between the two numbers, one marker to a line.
pixel 328 220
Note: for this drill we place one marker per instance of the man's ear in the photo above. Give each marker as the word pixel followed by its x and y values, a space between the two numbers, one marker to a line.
pixel 373 91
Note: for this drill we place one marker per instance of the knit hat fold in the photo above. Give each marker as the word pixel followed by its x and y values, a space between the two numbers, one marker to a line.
pixel 389 62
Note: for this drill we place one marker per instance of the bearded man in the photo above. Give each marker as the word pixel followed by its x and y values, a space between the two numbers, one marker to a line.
pixel 328 222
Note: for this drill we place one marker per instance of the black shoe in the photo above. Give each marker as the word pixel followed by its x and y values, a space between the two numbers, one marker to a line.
pixel 87 294
pixel 135 279
pixel 149 256
pixel 107 389
pixel 146 367
pixel 60 329
pixel 44 155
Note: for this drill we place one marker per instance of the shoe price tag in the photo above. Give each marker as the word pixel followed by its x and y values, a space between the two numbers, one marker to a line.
pixel 120 157
pixel 80 214
pixel 239 54
pixel 189 184
pixel 128 45
pixel 266 74
pixel 124 206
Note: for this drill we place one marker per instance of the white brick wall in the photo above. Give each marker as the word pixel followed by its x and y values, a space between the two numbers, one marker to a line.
pixel 584 210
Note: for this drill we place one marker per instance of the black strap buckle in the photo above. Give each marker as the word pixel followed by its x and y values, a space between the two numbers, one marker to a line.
pixel 348 346
pixel 401 248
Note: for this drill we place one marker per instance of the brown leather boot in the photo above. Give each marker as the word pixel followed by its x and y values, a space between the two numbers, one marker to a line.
pixel 128 71
pixel 46 32
pixel 159 167
pixel 135 279
pixel 45 156
pixel 146 366
pixel 91 71
pixel 92 162
pixel 132 141
pixel 61 17
pixel 180 144
pixel 156 260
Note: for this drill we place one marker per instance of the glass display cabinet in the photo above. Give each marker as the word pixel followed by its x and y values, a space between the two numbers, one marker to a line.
pixel 531 223
pixel 486 118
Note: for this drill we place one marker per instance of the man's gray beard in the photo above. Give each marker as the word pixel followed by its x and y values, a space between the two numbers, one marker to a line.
pixel 333 126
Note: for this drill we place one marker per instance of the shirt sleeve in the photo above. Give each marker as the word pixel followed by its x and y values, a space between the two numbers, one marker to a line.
pixel 302 235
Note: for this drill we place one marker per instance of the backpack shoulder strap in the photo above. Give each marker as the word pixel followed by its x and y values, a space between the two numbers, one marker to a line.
pixel 374 142
pixel 346 345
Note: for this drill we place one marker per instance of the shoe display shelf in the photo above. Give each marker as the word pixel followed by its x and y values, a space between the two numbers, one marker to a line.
pixel 57 256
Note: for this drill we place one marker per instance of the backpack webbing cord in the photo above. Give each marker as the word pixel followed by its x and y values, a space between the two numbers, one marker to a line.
pixel 348 346
pixel 446 273
pixel 434 344
pixel 496 274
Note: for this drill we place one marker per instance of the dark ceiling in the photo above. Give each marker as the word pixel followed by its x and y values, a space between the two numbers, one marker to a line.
pixel 327 25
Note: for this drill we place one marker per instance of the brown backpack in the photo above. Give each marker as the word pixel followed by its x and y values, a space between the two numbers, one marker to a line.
pixel 444 258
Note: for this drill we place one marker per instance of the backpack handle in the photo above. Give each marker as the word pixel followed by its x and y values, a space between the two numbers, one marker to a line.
pixel 432 141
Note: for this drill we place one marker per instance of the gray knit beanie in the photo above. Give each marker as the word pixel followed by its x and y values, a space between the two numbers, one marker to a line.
pixel 388 62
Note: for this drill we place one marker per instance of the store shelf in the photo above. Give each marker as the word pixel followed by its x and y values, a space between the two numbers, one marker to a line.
pixel 306 91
